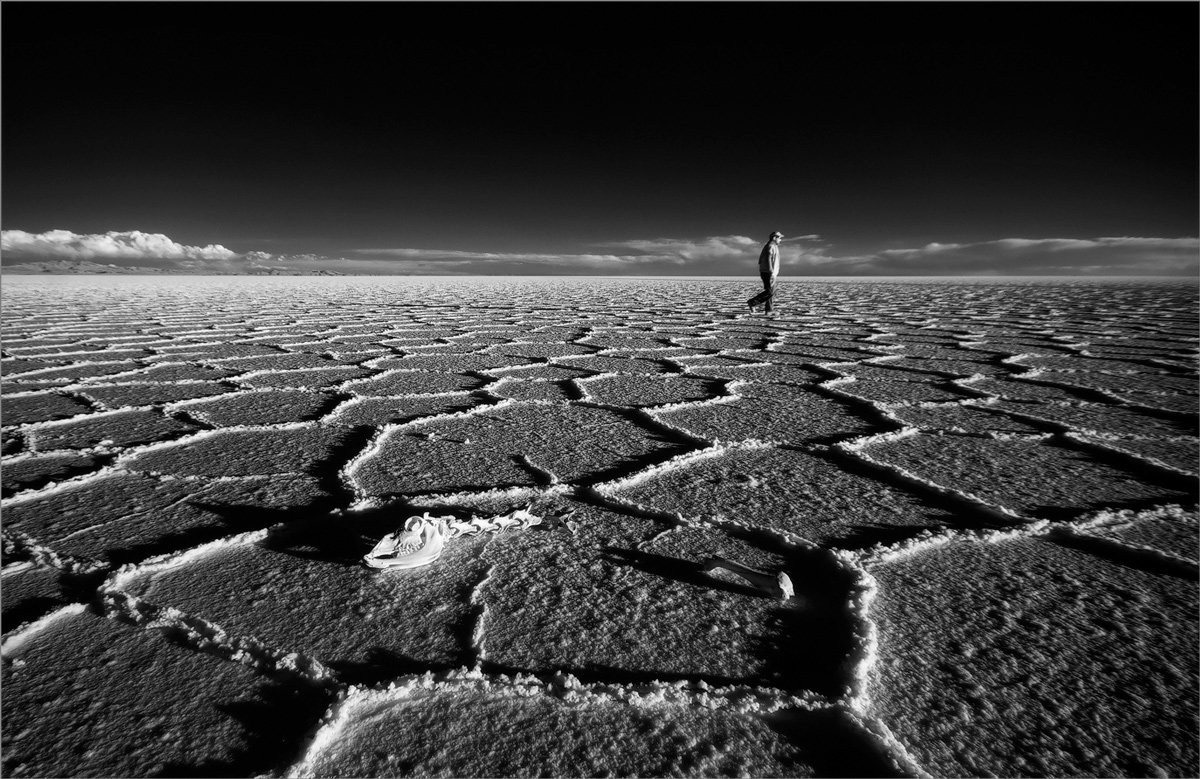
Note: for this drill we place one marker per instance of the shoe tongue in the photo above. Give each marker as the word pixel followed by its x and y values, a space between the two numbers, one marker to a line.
pixel 414 523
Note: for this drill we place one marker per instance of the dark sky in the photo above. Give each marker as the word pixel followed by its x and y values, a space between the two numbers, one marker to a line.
pixel 568 131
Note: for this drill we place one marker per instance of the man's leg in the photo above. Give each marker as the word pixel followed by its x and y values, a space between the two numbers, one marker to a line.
pixel 756 300
pixel 768 291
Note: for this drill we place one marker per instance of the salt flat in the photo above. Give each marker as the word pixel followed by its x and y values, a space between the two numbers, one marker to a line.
pixel 982 492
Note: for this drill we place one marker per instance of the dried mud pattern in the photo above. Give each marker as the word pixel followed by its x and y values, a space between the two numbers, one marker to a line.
pixel 206 460
pixel 956 669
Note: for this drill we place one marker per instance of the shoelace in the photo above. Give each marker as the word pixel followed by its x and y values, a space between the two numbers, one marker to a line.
pixel 516 520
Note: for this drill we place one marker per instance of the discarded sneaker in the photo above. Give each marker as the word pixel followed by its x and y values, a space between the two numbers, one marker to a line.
pixel 422 539
pixel 419 543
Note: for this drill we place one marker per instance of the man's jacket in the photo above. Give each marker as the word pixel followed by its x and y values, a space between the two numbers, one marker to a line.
pixel 768 260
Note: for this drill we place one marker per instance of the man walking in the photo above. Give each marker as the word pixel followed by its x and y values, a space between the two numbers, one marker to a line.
pixel 768 269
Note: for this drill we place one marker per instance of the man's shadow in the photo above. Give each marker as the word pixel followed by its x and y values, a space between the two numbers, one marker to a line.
pixel 807 642
pixel 678 569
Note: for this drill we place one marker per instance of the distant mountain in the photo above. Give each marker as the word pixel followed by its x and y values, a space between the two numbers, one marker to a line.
pixel 86 267
pixel 73 267
pixel 287 272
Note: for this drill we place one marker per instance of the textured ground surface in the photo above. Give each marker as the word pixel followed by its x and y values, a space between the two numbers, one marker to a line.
pixel 982 492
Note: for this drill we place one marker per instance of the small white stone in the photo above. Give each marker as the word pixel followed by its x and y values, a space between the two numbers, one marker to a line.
pixel 785 586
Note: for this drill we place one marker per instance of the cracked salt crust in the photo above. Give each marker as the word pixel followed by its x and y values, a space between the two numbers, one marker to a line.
pixel 313 378
pixel 805 496
pixel 775 413
pixel 414 382
pixel 815 353
pixel 1173 533
pixel 962 418
pixel 1088 363
pixel 482 451
pixel 623 612
pixel 118 513
pixel 379 411
pixel 126 427
pixel 257 407
pixel 1028 477
pixel 274 362
pixel 901 391
pixel 544 371
pixel 62 374
pixel 1104 419
pixel 241 451
pixel 602 363
pixel 886 371
pixel 452 363
pixel 16 367
pixel 634 391
pixel 1003 676
pixel 516 389
pixel 1177 404
pixel 33 471
pixel 275 480
pixel 301 589
pixel 1152 383
pixel 114 700
pixel 124 395
pixel 1177 455
pixel 1021 391
pixel 520 727
pixel 761 372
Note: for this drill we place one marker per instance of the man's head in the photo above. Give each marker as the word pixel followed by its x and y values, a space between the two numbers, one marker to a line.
pixel 776 236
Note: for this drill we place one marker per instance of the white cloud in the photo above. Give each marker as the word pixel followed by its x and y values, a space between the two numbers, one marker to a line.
pixel 734 255
pixel 134 249
pixel 680 251
pixel 130 245
pixel 738 255
pixel 728 248
pixel 453 256
pixel 1024 256
pixel 714 255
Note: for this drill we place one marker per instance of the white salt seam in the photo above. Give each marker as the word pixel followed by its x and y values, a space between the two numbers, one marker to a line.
pixel 679 462
pixel 471 498
pixel 12 643
pixel 55 486
pixel 478 635
pixel 50 424
pixel 21 566
pixel 561 686
pixel 882 554
pixel 17 542
pixel 1176 562
pixel 1001 513
pixel 121 577
pixel 260 373
pixel 1109 443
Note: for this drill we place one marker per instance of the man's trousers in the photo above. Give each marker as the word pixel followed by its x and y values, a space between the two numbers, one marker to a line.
pixel 767 296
